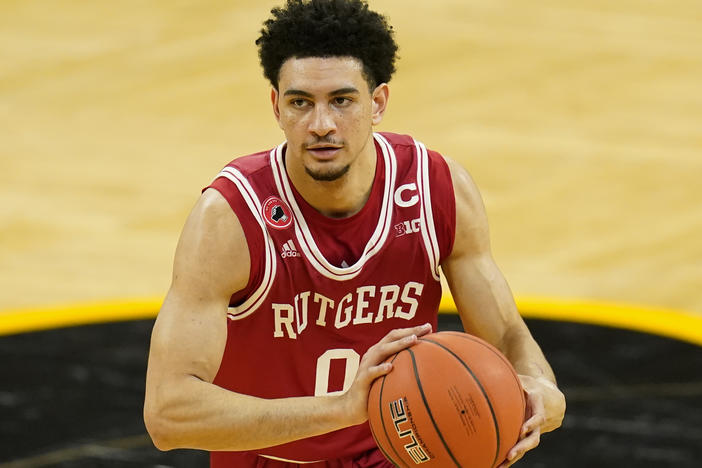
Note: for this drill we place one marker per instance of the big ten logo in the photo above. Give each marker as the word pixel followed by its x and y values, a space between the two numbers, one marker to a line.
pixel 401 416
pixel 407 227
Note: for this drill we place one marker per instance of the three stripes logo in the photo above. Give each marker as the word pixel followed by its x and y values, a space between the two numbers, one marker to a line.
pixel 289 250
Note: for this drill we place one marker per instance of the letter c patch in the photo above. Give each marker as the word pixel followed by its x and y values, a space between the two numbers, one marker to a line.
pixel 411 201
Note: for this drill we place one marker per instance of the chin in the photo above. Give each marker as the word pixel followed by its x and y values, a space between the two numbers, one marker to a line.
pixel 327 174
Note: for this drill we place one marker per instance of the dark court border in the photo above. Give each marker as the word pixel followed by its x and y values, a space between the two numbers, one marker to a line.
pixel 634 399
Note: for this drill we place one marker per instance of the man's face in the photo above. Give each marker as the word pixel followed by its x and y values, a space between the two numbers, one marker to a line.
pixel 327 113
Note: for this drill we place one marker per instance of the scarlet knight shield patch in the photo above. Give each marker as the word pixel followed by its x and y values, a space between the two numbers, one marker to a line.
pixel 276 213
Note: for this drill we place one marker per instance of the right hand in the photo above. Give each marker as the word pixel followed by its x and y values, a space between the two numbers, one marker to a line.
pixel 373 366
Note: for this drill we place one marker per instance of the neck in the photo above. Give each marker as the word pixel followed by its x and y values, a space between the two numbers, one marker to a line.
pixel 344 196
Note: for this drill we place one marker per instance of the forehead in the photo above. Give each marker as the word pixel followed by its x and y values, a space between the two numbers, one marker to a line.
pixel 321 74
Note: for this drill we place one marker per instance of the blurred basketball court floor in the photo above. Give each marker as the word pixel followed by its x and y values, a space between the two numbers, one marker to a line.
pixel 580 122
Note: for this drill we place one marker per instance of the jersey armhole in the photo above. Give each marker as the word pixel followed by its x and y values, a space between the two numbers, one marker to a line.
pixel 443 203
pixel 254 237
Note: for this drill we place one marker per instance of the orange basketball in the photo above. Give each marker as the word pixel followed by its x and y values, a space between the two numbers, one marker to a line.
pixel 450 400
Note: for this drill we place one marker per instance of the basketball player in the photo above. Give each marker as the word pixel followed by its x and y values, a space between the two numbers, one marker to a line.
pixel 301 268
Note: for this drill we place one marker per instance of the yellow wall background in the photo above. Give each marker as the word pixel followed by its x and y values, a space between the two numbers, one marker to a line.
pixel 580 121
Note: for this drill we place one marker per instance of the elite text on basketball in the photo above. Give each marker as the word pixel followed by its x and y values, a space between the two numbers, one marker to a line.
pixel 400 418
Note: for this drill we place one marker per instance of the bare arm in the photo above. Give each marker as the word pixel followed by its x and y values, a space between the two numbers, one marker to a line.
pixel 487 309
pixel 183 408
pixel 481 293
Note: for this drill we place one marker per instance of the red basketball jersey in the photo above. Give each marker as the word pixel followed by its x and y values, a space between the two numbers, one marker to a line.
pixel 323 290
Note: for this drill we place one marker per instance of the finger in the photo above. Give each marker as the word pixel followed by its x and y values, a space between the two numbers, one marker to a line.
pixel 395 341
pixel 382 350
pixel 399 333
pixel 380 370
pixel 422 329
pixel 537 414
pixel 532 424
pixel 523 446
pixel 511 462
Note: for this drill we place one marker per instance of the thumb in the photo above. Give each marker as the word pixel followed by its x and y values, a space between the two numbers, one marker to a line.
pixel 378 371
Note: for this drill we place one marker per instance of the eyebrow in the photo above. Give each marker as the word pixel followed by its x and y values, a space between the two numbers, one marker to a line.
pixel 337 92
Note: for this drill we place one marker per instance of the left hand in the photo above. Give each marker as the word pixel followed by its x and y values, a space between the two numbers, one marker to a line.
pixel 545 408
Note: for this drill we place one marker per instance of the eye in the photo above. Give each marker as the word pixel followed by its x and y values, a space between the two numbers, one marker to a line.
pixel 298 103
pixel 341 101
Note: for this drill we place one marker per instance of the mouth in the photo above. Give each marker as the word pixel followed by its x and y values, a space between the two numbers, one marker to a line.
pixel 324 151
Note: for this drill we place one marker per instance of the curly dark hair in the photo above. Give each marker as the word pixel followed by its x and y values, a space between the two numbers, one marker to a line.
pixel 328 28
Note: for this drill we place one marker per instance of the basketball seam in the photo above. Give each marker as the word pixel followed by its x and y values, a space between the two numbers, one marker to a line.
pixel 385 454
pixel 482 389
pixel 467 336
pixel 426 406
pixel 382 420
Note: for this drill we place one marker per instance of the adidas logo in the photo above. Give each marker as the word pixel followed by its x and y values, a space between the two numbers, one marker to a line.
pixel 289 250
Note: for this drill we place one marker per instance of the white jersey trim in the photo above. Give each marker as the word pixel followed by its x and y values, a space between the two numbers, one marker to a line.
pixel 426 217
pixel 302 231
pixel 252 201
pixel 289 461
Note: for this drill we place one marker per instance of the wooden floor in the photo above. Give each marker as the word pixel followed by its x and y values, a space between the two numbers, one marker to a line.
pixel 580 120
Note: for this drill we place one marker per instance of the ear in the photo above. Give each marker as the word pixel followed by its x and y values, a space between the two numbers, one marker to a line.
pixel 380 97
pixel 275 95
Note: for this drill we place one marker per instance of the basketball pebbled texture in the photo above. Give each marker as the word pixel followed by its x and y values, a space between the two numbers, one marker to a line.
pixel 451 400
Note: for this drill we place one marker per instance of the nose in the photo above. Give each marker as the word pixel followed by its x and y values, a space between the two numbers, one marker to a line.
pixel 322 123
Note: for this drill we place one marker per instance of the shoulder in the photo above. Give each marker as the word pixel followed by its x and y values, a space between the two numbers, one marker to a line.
pixel 242 179
pixel 248 166
pixel 464 186
pixel 212 212
pixel 252 163
pixel 397 139
pixel 407 143
pixel 471 218
pixel 408 150
pixel 212 250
